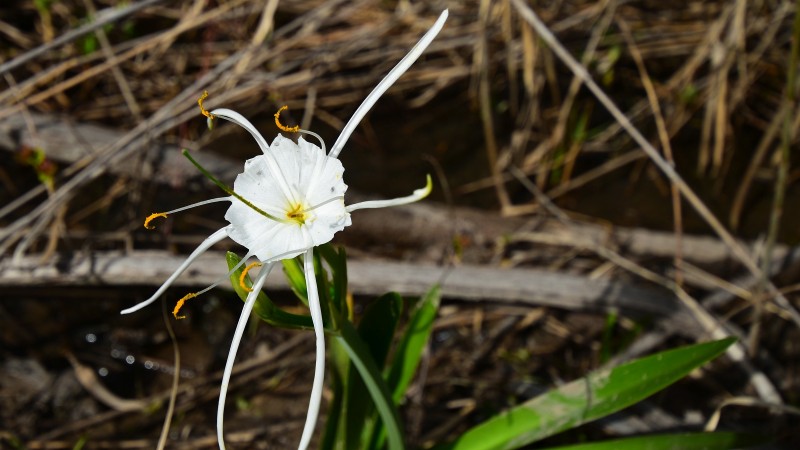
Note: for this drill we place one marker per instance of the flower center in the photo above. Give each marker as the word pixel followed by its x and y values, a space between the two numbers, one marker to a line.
pixel 297 214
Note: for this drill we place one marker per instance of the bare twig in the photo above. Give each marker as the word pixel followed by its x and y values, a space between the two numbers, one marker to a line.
pixel 102 18
pixel 119 77
pixel 173 395
pixel 663 135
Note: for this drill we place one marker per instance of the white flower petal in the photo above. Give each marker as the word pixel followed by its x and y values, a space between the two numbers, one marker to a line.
pixel 273 166
pixel 267 239
pixel 326 221
pixel 257 185
pixel 315 187
pixel 291 162
pixel 205 245
pixel 319 365
pixel 240 120
pixel 237 338
pixel 418 195
pixel 386 82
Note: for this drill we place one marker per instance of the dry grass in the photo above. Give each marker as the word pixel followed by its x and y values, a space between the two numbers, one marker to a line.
pixel 705 62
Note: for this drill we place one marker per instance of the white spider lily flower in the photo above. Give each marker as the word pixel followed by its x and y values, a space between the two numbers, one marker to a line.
pixel 287 201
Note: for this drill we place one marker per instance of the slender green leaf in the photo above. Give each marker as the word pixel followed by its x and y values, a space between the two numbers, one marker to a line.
pixel 592 397
pixel 293 269
pixel 338 263
pixel 264 308
pixel 376 329
pixel 408 354
pixel 333 438
pixel 378 325
pixel 412 344
pixel 324 291
pixel 605 340
pixel 678 441
pixel 358 352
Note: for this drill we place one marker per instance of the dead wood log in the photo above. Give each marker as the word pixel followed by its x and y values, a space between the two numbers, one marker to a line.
pixel 468 283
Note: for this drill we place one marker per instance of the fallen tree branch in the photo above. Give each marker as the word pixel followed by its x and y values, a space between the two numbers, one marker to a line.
pixel 470 283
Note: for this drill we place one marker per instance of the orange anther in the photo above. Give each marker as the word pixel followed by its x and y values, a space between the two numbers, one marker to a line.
pixel 283 127
pixel 180 303
pixel 244 274
pixel 150 219
pixel 200 104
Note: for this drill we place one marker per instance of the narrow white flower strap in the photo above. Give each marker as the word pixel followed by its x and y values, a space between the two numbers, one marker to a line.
pixel 319 365
pixel 218 236
pixel 237 338
pixel 274 167
pixel 416 196
pixel 385 83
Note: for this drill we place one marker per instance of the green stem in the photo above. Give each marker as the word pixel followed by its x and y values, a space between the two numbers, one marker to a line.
pixel 230 191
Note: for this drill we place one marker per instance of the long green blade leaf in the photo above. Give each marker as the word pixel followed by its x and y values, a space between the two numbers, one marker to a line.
pixel 412 344
pixel 359 354
pixel 592 397
pixel 293 270
pixel 408 354
pixel 337 259
pixel 376 329
pixel 678 441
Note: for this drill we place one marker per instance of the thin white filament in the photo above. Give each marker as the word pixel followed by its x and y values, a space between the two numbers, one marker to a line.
pixel 387 82
pixel 319 138
pixel 237 339
pixel 225 277
pixel 418 195
pixel 319 366
pixel 205 245
pixel 194 205
pixel 332 199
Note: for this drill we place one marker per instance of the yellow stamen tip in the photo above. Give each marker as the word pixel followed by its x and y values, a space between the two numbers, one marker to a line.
pixel 283 127
pixel 150 219
pixel 244 275
pixel 180 303
pixel 202 108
